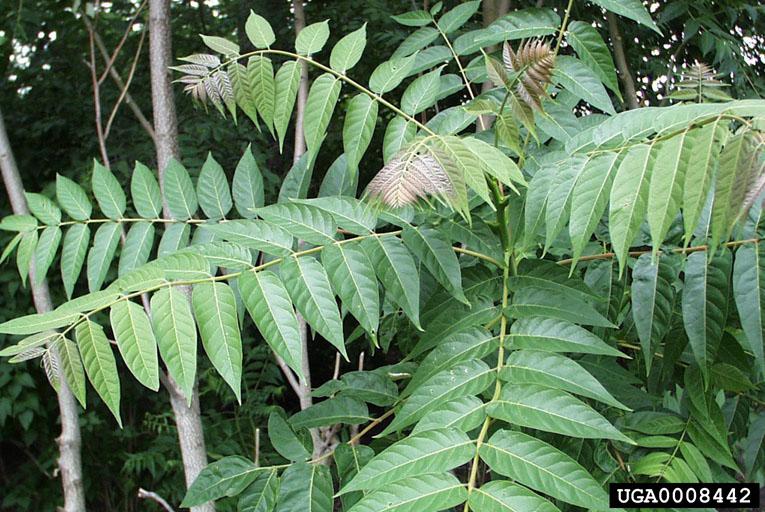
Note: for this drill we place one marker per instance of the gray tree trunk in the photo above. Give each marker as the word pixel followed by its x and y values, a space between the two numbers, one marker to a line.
pixel 188 419
pixel 69 461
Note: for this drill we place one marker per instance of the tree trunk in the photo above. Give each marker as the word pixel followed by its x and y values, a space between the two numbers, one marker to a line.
pixel 621 62
pixel 69 461
pixel 188 419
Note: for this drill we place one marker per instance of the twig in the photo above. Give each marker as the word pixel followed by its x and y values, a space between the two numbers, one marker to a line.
pixel 257 446
pixel 119 46
pixel 681 250
pixel 97 96
pixel 148 495
pixel 124 89
pixel 336 372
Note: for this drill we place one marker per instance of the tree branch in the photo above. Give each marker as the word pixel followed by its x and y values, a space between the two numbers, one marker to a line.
pixel 148 495
pixel 630 93
pixel 70 441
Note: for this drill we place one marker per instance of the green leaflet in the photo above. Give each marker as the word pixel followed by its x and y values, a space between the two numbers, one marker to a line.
pixel 551 335
pixel 287 81
pixel 253 234
pixel 665 190
pixel 296 496
pixel 228 476
pixel 175 237
pixel 593 51
pixel 540 188
pixel 749 293
pixel 397 271
pixel 260 74
pixel 454 18
pixel 45 252
pixel 136 342
pixel 308 286
pixel 629 199
pixel 71 364
pixel 495 163
pixel 432 451
pixel 322 98
pixel 247 187
pixel 270 307
pixel 504 496
pixel 98 360
pixel 353 279
pixel 312 38
pixel 212 190
pixel 415 41
pixel 579 79
pixel 43 208
pixel 464 414
pixel 388 75
pixel 32 324
pixel 179 191
pixel 221 45
pixel 339 180
pixel 632 9
pixel 350 214
pixel 542 467
pixel 415 494
pixel 555 371
pixel 559 199
pixel 733 177
pixel 298 179
pixel 705 302
pixel 472 343
pixel 422 92
pixel 461 163
pixel 413 18
pixel 589 199
pixel 551 410
pixel 304 222
pixel 454 319
pixel 652 303
pixel 702 163
pixel 72 198
pixel 176 336
pixel 332 411
pixel 144 189
pixel 261 494
pixel 464 379
pixel 19 223
pixel 108 192
pixel 101 254
pixel 435 252
pixel 535 302
pixel 215 310
pixel 259 31
pixel 358 127
pixel 523 23
pixel 348 50
pixel 349 459
pixel 398 134
pixel 284 439
pixel 373 388
pixel 137 248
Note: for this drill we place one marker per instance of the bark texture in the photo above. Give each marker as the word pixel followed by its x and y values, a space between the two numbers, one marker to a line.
pixel 187 418
pixel 70 442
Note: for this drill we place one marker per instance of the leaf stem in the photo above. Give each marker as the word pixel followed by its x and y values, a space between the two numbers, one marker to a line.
pixel 563 27
pixel 679 250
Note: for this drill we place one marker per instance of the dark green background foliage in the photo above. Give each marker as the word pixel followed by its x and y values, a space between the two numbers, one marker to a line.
pixel 686 405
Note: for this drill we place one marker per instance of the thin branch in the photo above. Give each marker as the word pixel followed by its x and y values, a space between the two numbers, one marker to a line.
pixel 118 48
pixel 124 90
pixel 117 79
pixel 680 250
pixel 97 97
pixel 621 62
pixel 148 495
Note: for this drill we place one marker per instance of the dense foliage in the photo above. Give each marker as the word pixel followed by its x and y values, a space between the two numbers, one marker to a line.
pixel 563 295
